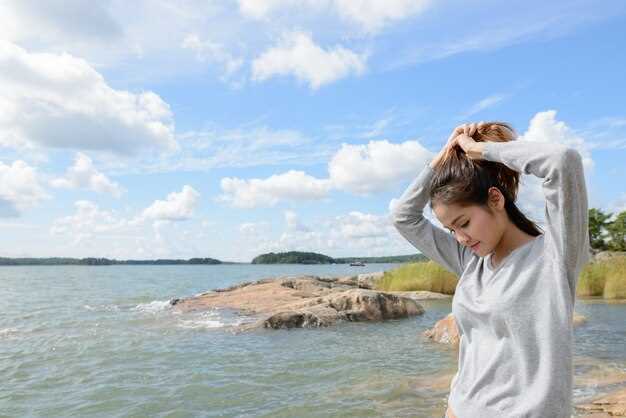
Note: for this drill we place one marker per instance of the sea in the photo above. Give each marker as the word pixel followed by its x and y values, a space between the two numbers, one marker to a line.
pixel 103 341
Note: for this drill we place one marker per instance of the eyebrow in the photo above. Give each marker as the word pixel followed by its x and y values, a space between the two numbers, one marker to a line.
pixel 456 219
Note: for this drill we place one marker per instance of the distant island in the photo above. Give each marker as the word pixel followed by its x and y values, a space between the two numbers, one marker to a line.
pixel 92 261
pixel 297 257
pixel 290 257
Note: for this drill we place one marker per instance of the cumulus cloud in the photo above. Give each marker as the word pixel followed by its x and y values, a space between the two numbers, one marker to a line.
pixel 293 184
pixel 297 55
pixel 60 101
pixel 83 174
pixel 19 188
pixel 178 206
pixel 364 169
pixel 544 127
pixel 89 220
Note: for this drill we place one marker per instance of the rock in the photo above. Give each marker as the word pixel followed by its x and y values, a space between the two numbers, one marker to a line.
pixel 579 319
pixel 611 405
pixel 304 301
pixel 445 330
pixel 368 280
pixel 606 255
pixel 421 294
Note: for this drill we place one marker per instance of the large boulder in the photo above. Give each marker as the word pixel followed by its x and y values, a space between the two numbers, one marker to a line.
pixel 303 301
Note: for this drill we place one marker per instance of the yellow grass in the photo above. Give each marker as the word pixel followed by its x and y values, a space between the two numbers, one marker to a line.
pixel 418 276
pixel 604 278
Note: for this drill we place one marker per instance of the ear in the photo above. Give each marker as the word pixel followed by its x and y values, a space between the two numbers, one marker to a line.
pixel 496 198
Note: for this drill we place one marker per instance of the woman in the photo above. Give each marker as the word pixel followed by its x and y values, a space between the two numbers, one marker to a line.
pixel 514 300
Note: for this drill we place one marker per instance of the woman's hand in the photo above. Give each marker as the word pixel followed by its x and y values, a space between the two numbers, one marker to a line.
pixel 461 136
pixel 464 137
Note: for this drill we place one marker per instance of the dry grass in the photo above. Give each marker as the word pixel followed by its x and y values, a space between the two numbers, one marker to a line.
pixel 605 278
pixel 418 276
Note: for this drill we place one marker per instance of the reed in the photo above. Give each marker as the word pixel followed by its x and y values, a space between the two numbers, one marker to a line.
pixel 606 278
pixel 418 276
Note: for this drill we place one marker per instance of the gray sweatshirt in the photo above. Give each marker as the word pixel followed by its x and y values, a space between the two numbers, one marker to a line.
pixel 515 320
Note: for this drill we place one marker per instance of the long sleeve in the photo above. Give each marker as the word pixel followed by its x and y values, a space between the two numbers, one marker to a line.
pixel 565 192
pixel 432 241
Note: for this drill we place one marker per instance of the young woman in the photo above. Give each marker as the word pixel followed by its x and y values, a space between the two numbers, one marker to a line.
pixel 514 300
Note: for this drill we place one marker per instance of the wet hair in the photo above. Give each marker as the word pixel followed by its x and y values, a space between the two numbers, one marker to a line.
pixel 460 180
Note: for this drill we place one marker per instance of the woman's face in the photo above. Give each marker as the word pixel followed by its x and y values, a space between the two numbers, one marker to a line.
pixel 473 226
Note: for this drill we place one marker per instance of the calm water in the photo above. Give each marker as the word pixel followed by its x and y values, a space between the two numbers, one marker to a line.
pixel 79 341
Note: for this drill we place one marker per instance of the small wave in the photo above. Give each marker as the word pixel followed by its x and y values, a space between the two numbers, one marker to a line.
pixel 585 392
pixel 214 318
pixel 8 332
pixel 154 306
pixel 107 308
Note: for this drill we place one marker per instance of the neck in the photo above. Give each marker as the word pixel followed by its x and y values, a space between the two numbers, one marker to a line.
pixel 512 238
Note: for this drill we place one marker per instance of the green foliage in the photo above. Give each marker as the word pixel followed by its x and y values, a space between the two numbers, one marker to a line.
pixel 617 233
pixel 293 257
pixel 598 222
pixel 418 276
pixel 297 257
pixel 92 261
pixel 388 259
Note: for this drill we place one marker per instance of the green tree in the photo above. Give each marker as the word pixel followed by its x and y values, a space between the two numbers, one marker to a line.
pixel 617 233
pixel 598 223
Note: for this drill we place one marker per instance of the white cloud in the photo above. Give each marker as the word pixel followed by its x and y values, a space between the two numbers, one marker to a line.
pixel 299 56
pixel 363 225
pixel 84 175
pixel 178 206
pixel 369 15
pixel 545 128
pixel 293 184
pixel 88 221
pixel 254 229
pixel 19 188
pixel 373 15
pixel 486 103
pixel 60 101
pixel 62 21
pixel 293 223
pixel 363 169
pixel 208 51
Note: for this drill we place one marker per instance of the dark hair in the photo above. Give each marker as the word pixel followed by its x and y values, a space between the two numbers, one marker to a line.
pixel 463 181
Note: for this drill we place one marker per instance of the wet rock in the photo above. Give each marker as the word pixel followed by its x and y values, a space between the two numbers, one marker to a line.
pixel 445 331
pixel 304 301
pixel 611 405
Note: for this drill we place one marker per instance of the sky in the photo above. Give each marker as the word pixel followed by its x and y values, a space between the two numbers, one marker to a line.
pixel 231 128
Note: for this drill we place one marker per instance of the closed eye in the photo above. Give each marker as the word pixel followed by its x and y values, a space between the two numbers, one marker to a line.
pixel 462 226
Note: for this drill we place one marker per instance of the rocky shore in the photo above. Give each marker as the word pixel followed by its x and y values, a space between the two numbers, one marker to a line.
pixel 308 301
pixel 312 301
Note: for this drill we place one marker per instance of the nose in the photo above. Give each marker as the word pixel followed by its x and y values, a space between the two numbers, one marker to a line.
pixel 464 239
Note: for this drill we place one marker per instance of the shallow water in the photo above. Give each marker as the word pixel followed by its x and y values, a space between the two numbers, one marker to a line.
pixel 102 342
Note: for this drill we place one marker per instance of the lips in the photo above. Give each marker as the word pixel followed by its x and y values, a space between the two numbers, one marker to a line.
pixel 475 246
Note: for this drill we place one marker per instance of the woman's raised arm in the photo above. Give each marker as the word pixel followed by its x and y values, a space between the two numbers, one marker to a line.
pixel 432 241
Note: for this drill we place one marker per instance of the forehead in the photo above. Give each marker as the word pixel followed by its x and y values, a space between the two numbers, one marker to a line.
pixel 447 214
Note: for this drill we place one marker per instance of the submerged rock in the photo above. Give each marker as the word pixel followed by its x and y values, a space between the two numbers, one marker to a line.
pixel 305 301
pixel 611 405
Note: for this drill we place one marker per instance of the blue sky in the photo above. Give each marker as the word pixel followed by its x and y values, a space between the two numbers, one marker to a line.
pixel 231 128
